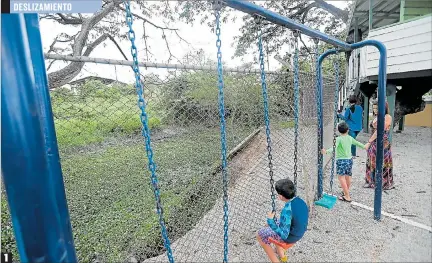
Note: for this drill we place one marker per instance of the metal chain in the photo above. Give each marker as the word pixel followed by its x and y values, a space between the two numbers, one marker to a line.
pixel 319 117
pixel 146 133
pixel 222 129
pixel 267 121
pixel 335 118
pixel 296 103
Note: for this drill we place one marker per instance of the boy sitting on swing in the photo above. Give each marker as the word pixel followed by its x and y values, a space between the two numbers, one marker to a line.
pixel 292 223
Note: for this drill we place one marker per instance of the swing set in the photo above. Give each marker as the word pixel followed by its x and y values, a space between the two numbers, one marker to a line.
pixel 30 158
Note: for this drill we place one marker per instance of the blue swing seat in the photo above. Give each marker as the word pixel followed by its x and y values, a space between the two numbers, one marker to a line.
pixel 327 201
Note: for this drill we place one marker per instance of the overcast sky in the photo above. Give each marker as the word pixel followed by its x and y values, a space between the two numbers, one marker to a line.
pixel 199 36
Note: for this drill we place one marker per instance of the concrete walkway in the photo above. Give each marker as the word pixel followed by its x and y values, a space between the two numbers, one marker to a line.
pixel 347 233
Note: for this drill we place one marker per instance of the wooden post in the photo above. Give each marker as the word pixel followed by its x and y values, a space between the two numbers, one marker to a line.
pixel 357 51
pixel 402 11
pixel 370 14
pixel 355 29
pixel 365 113
pixel 391 99
pixel 401 124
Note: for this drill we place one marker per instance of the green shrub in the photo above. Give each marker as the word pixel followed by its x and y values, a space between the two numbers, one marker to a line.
pixel 154 123
pixel 90 87
pixel 77 132
pixel 110 93
pixel 286 124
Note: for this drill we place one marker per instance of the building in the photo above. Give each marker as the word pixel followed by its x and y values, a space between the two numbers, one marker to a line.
pixel 405 28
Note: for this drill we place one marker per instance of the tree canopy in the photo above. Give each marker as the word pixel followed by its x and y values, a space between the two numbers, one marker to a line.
pixel 109 25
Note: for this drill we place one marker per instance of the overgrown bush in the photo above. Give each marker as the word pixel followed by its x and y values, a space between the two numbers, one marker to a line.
pixel 193 98
pixel 93 112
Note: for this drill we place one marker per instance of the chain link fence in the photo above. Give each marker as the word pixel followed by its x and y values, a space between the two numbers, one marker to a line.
pixel 104 164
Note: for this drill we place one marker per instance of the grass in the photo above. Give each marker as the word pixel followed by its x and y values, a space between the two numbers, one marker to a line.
pixel 285 124
pixel 90 120
pixel 110 197
pixel 111 201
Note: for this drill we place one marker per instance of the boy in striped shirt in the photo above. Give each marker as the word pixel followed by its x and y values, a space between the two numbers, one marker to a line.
pixel 292 223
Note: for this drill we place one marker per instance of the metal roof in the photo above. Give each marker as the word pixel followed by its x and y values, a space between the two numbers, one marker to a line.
pixel 385 12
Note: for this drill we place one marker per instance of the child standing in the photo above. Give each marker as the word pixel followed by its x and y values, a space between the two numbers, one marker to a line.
pixel 344 160
pixel 292 223
pixel 354 118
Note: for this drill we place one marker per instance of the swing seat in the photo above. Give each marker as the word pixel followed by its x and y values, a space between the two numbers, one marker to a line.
pixel 281 244
pixel 327 201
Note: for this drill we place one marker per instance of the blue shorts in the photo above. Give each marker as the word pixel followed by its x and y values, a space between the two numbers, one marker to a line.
pixel 344 167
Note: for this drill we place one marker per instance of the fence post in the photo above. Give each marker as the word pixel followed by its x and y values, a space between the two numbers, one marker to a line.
pixel 30 161
pixel 401 124
pixel 365 113
pixel 391 99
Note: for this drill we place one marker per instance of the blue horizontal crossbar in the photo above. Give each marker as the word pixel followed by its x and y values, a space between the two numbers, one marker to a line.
pixel 276 18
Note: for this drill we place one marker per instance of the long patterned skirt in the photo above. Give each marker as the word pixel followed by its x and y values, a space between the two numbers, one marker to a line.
pixel 387 174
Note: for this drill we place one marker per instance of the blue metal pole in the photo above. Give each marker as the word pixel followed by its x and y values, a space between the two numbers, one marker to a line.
pixel 382 80
pixel 324 55
pixel 278 19
pixel 30 161
pixel 320 117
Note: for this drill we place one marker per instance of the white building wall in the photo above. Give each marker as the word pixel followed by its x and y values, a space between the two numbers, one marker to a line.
pixel 409 48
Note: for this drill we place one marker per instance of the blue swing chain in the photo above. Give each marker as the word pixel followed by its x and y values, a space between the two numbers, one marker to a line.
pixel 335 118
pixel 218 6
pixel 296 103
pixel 146 132
pixel 319 117
pixel 266 119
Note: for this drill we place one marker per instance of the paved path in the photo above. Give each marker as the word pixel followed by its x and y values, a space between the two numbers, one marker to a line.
pixel 346 233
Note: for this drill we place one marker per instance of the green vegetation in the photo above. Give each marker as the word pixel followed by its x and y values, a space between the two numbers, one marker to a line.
pixel 94 112
pixel 111 202
pixel 109 193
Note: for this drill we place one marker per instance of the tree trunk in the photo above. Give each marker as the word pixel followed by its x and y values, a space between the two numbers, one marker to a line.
pixel 65 75
pixel 337 12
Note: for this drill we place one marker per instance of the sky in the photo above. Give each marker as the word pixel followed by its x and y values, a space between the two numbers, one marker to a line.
pixel 198 36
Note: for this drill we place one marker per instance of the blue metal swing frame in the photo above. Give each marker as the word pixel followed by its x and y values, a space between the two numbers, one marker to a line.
pixel 30 160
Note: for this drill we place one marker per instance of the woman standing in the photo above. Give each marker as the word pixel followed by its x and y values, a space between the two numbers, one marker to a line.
pixel 387 174
pixel 353 116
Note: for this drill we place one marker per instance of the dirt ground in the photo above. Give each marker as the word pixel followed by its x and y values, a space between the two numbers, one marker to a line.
pixel 347 233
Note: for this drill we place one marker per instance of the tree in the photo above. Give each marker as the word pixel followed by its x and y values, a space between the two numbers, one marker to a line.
pixel 311 13
pixel 316 14
pixel 107 24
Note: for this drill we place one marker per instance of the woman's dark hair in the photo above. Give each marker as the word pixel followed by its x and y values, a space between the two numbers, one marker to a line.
pixel 286 188
pixel 352 100
pixel 343 127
